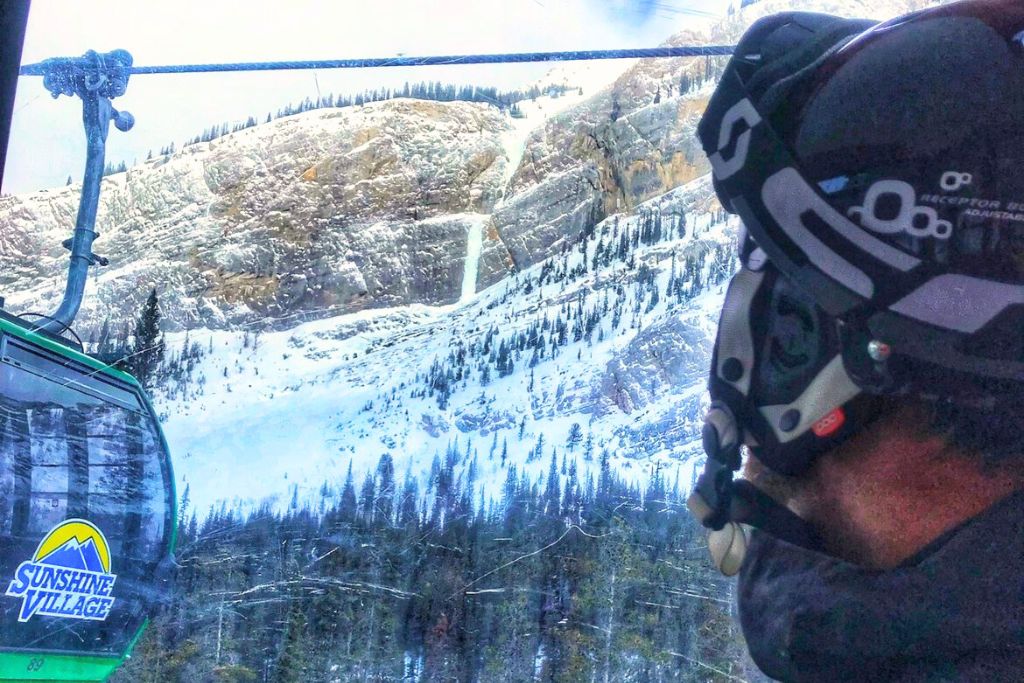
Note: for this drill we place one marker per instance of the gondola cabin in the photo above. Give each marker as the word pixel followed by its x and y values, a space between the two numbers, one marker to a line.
pixel 87 510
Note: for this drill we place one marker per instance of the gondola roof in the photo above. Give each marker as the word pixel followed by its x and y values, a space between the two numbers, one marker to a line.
pixel 24 329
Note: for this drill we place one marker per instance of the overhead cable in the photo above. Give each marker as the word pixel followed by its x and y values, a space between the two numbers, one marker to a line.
pixel 41 68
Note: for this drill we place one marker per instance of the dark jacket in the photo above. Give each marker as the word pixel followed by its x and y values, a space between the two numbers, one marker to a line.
pixel 954 612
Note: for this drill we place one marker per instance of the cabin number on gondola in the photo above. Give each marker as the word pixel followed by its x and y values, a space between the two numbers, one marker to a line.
pixel 68 577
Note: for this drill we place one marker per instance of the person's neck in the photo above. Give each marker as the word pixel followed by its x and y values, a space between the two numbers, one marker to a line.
pixel 886 494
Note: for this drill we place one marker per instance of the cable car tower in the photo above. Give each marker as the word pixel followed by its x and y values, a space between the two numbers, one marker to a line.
pixel 87 502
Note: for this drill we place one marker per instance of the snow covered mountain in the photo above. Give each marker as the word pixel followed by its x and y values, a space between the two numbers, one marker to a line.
pixel 330 210
pixel 421 279
pixel 392 203
pixel 76 555
pixel 611 336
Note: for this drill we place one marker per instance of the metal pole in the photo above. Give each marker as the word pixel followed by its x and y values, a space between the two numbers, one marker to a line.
pixel 96 79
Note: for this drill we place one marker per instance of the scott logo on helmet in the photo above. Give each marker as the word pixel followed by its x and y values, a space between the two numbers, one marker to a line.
pixel 909 218
pixel 741 111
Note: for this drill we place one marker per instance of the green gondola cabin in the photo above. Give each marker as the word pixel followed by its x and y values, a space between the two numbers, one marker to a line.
pixel 87 510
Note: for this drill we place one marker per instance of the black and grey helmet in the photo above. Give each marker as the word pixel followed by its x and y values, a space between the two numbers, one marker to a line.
pixel 878 171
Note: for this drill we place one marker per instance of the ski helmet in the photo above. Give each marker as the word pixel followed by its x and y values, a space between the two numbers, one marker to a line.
pixel 876 170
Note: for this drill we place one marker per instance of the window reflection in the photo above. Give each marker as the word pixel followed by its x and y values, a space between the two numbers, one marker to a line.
pixel 65 453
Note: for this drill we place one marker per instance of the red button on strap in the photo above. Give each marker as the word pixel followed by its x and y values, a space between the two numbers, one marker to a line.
pixel 830 424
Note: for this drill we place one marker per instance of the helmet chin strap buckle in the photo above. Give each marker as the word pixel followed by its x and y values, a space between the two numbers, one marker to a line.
pixel 730 507
pixel 712 497
pixel 728 547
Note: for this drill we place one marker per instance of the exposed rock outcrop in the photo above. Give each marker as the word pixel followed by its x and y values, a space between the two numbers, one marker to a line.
pixel 324 212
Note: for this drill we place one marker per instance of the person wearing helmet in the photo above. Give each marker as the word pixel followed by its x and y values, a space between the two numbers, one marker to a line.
pixel 870 354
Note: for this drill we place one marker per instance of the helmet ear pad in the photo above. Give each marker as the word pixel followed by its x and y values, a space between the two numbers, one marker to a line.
pixel 781 366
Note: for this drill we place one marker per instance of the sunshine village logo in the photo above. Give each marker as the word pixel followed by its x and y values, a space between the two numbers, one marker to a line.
pixel 69 575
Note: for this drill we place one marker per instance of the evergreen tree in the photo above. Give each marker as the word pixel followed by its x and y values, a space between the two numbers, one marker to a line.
pixel 385 490
pixel 552 492
pixel 347 507
pixel 147 352
pixel 367 499
pixel 183 507
pixel 104 344
pixel 291 664
pixel 538 449
pixel 575 437
pixel 407 516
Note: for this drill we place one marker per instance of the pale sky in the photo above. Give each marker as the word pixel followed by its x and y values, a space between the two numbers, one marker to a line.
pixel 47 138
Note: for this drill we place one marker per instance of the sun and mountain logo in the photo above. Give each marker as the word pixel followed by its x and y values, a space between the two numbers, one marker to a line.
pixel 68 577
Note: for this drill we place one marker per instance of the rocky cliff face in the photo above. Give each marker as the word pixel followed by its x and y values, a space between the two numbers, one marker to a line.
pixel 328 211
pixel 338 210
pixel 632 141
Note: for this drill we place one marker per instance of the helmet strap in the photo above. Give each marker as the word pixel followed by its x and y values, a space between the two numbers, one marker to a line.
pixel 725 504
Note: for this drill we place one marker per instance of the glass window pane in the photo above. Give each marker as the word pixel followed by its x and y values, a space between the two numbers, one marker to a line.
pixel 49 439
pixel 66 373
pixel 46 512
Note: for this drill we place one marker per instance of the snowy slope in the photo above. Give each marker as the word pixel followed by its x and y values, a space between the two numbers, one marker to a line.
pixel 261 416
